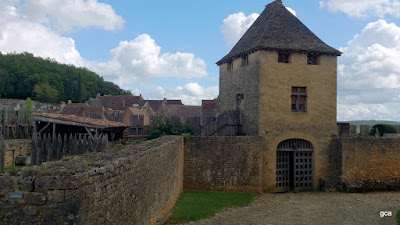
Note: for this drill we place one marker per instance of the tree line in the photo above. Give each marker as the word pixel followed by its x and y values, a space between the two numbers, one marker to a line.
pixel 23 75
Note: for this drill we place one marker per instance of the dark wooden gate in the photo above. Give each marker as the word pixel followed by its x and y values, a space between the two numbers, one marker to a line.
pixel 294 166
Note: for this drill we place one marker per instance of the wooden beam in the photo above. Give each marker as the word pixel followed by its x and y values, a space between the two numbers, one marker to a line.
pixel 44 128
pixel 49 120
pixel 90 133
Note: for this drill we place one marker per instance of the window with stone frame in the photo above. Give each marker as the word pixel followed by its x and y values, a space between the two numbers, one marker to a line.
pixel 299 99
pixel 283 57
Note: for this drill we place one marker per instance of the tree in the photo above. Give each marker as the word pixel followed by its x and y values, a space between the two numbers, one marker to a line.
pixel 382 129
pixel 28 109
pixel 45 93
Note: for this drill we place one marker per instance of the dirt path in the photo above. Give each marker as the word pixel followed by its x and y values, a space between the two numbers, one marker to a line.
pixel 313 208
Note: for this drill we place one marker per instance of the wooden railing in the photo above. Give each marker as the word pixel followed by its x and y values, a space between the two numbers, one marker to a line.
pixel 227 124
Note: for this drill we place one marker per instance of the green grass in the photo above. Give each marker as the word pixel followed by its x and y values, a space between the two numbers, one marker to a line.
pixel 10 169
pixel 398 217
pixel 197 205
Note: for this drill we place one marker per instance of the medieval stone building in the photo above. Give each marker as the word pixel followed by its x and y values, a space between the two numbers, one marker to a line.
pixel 283 80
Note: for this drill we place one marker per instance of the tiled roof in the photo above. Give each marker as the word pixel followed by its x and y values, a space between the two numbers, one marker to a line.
pixel 85 111
pixel 117 102
pixel 174 102
pixel 154 104
pixel 208 104
pixel 95 102
pixel 182 111
pixel 278 29
pixel 102 123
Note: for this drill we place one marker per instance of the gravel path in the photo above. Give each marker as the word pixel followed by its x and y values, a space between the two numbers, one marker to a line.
pixel 313 208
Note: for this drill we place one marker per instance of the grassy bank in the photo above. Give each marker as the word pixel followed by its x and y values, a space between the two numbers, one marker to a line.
pixel 197 205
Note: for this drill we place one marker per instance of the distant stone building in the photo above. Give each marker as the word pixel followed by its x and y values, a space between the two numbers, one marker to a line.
pixel 283 79
pixel 207 110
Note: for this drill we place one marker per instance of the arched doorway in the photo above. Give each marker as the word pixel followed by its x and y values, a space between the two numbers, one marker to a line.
pixel 294 166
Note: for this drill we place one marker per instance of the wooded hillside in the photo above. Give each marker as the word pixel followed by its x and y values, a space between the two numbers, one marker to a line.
pixel 23 75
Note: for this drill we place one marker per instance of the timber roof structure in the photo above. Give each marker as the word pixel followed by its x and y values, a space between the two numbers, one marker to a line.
pixel 278 29
pixel 77 120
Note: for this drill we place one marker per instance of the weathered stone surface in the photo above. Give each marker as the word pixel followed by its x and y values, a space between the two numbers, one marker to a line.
pixel 55 196
pixel 25 183
pixel 35 198
pixel 56 182
pixel 6 184
pixel 141 188
pixel 224 163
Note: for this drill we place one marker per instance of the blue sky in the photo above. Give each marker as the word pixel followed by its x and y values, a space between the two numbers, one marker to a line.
pixel 169 48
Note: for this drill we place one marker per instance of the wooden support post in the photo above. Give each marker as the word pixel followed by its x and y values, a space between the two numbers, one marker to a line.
pixel 2 154
pixel 43 128
pixel 54 131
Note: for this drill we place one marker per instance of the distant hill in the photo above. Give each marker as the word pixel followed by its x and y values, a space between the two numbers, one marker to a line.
pixel 23 75
pixel 370 122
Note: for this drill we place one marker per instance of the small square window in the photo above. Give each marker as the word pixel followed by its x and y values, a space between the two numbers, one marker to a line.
pixel 283 57
pixel 312 59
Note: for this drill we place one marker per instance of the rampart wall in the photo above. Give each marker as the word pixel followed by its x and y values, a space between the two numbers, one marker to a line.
pixel 135 185
pixel 366 164
pixel 231 163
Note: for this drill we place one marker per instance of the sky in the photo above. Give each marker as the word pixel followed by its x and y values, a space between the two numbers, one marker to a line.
pixel 169 49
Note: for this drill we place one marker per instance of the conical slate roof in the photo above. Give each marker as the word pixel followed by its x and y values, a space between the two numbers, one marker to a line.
pixel 278 29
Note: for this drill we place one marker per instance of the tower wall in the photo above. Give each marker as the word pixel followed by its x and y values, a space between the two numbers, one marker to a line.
pixel 241 80
pixel 277 122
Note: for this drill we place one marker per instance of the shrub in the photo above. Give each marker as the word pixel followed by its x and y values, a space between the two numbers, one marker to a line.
pixel 383 129
pixel 169 127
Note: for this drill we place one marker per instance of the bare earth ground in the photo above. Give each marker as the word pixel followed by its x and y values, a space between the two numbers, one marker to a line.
pixel 313 208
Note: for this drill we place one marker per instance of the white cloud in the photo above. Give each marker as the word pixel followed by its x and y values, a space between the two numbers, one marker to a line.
pixel 190 94
pixel 369 74
pixel 18 34
pixel 65 15
pixel 291 10
pixel 364 8
pixel 141 60
pixel 235 25
pixel 133 63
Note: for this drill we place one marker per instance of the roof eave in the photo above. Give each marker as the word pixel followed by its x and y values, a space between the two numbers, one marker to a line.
pixel 225 60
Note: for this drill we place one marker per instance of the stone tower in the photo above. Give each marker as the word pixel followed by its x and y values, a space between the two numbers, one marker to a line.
pixel 284 80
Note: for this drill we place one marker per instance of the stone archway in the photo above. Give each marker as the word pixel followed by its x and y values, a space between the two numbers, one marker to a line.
pixel 294 166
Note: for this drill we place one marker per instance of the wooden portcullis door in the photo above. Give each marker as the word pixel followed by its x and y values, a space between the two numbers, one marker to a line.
pixel 294 166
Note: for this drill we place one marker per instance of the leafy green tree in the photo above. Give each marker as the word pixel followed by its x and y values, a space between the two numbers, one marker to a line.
pixel 20 73
pixel 45 92
pixel 383 129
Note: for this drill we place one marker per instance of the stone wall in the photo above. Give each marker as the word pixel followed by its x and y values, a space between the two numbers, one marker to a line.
pixel 138 184
pixel 224 163
pixel 366 164
pixel 22 146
